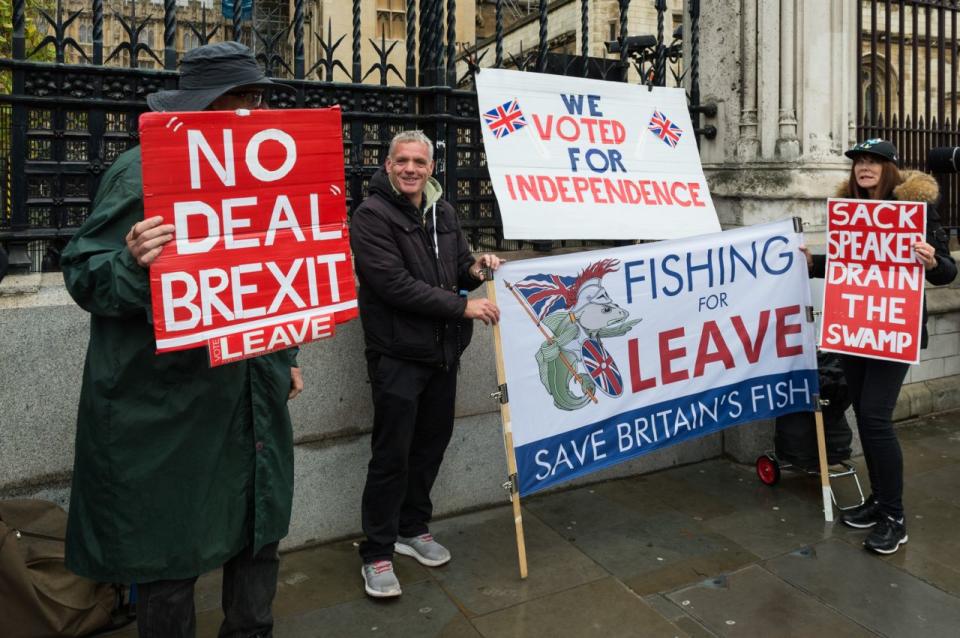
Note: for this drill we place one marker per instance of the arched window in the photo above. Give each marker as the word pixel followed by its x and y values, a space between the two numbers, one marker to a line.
pixel 878 81
pixel 391 19
pixel 190 41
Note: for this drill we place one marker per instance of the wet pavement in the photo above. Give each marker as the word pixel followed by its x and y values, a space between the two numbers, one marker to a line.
pixel 699 550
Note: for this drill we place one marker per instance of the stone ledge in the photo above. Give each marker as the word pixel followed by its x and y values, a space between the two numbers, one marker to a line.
pixel 20 284
pixel 34 290
pixel 922 398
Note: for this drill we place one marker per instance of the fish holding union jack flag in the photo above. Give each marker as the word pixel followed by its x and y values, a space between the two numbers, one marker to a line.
pixel 505 119
pixel 575 314
pixel 664 128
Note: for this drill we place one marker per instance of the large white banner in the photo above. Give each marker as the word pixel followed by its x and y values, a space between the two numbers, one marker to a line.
pixel 572 158
pixel 615 353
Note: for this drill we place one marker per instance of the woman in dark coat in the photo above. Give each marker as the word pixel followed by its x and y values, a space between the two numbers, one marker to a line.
pixel 875 384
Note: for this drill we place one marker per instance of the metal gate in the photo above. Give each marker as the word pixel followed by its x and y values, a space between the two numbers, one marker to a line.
pixel 908 84
pixel 63 123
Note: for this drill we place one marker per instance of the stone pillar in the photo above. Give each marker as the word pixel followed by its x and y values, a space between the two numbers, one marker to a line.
pixel 783 76
pixel 748 146
pixel 788 146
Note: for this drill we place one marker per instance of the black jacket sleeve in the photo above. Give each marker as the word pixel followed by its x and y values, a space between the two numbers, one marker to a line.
pixel 946 269
pixel 819 268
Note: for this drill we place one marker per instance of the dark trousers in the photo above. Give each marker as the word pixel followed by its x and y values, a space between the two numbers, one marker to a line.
pixel 165 607
pixel 413 408
pixel 874 387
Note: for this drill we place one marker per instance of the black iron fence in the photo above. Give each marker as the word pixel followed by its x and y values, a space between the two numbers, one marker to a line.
pixel 908 53
pixel 64 121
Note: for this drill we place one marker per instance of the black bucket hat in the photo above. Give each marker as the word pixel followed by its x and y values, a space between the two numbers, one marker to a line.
pixel 875 146
pixel 208 72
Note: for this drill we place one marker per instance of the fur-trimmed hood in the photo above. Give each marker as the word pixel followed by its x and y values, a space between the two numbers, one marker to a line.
pixel 915 186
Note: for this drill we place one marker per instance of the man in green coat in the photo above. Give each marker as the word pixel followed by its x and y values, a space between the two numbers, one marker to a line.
pixel 180 468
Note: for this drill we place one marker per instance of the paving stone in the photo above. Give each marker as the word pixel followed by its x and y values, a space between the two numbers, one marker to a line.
pixel 942 483
pixel 693 628
pixel 733 484
pixel 872 592
pixel 586 510
pixel 616 612
pixel 753 602
pixel 329 575
pixel 484 574
pixel 697 534
pixel 774 530
pixel 718 488
pixel 940 434
pixel 423 611
pixel 684 497
pixel 920 457
pixel 932 553
pixel 662 552
pixel 689 570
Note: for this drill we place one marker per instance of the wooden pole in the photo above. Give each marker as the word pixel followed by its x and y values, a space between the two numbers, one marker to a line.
pixel 508 437
pixel 824 468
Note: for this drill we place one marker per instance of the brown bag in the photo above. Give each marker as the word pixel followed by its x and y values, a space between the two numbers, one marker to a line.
pixel 39 596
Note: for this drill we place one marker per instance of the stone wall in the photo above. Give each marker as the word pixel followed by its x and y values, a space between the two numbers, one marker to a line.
pixel 43 338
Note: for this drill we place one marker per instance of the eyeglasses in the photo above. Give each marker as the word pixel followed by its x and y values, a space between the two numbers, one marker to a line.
pixel 252 99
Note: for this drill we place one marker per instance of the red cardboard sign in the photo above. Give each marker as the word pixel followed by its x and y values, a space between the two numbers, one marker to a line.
pixel 260 258
pixel 873 295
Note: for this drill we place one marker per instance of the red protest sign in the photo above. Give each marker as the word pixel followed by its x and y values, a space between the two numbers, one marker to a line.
pixel 260 258
pixel 873 295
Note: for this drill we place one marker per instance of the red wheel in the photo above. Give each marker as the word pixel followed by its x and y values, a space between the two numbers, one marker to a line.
pixel 768 470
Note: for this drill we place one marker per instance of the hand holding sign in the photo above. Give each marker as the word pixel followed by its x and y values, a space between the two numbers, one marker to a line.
pixel 146 239
pixel 926 253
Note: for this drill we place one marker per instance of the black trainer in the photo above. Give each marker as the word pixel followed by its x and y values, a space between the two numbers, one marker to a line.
pixel 864 516
pixel 887 536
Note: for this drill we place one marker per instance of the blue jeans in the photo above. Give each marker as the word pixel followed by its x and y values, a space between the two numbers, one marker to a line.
pixel 165 607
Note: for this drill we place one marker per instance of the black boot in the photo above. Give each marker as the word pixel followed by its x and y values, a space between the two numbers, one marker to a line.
pixel 887 536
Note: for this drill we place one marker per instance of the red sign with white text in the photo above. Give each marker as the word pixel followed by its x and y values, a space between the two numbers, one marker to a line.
pixel 873 295
pixel 260 258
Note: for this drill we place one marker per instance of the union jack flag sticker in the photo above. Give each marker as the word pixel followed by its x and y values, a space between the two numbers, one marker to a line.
pixel 602 368
pixel 666 130
pixel 505 119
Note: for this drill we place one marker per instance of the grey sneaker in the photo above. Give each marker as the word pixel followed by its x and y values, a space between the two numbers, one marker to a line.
pixel 379 580
pixel 423 548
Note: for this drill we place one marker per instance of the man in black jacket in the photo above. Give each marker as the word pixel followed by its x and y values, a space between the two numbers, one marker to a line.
pixel 414 269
